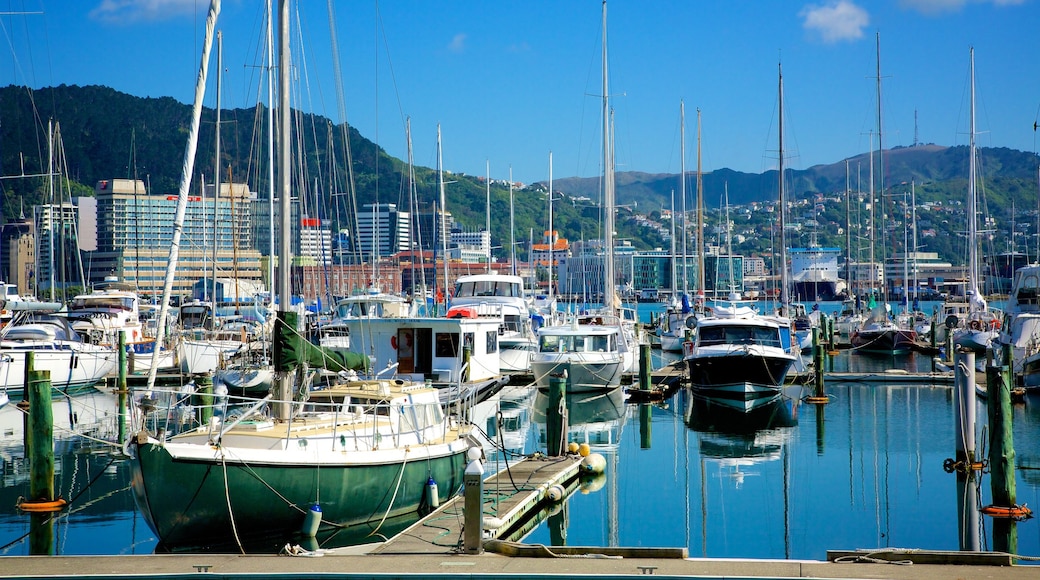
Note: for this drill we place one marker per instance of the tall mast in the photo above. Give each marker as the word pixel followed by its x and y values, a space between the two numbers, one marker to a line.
pixel 270 144
pixel 513 230
pixel 873 224
pixel 216 167
pixel 187 168
pixel 913 238
pixel 700 214
pixel 487 213
pixel 881 169
pixel 973 256
pixel 784 298
pixel 608 182
pixel 848 232
pixel 552 235
pixel 682 188
pixel 729 248
pixel 283 388
pixel 442 223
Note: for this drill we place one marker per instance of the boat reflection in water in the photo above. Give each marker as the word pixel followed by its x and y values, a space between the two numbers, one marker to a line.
pixel 739 436
pixel 598 420
pixel 593 418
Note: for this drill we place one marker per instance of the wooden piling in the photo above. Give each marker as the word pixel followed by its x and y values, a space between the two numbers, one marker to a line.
pixel 1001 453
pixel 644 367
pixel 204 397
pixel 556 417
pixel 41 423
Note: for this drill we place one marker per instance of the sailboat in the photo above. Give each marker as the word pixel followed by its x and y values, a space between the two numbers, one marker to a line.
pixel 672 331
pixel 364 456
pixel 593 349
pixel 879 333
pixel 736 353
pixel 979 325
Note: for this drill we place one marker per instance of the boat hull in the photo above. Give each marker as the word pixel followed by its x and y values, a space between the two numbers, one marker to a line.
pixel 740 374
pixel 885 341
pixel 72 369
pixel 585 374
pixel 186 500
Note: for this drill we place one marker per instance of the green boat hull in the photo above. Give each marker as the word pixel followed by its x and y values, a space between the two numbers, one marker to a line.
pixel 190 503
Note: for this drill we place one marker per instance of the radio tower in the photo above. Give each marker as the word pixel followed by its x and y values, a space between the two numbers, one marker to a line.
pixel 915 127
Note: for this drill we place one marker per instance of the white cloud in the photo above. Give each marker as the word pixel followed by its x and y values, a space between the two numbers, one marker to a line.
pixel 836 20
pixel 130 11
pixel 458 43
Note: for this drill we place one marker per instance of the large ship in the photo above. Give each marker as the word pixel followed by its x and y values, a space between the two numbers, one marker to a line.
pixel 814 274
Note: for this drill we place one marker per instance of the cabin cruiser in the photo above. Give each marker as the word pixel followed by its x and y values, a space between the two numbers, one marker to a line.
pixel 516 339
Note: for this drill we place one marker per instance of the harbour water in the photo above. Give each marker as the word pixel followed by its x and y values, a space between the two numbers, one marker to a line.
pixel 787 480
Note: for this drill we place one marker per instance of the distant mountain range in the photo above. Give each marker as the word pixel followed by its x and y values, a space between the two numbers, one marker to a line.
pixel 108 134
pixel 939 172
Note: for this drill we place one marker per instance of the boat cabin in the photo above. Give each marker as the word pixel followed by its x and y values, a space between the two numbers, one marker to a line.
pixel 434 349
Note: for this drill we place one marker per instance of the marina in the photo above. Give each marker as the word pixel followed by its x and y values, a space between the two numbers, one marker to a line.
pixel 865 470
pixel 480 414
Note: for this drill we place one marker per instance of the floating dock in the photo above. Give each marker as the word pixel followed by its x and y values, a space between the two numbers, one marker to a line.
pixel 512 497
pixel 895 376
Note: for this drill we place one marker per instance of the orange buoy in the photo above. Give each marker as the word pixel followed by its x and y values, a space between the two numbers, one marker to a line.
pixel 42 506
pixel 1017 512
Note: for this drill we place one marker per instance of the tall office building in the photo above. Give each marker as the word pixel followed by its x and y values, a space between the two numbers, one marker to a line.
pixel 382 231
pixel 135 234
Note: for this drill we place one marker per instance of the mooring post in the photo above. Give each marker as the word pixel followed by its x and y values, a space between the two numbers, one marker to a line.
pixel 818 361
pixel 964 406
pixel 41 421
pixel 644 367
pixel 949 346
pixel 121 388
pixel 25 405
pixel 556 417
pixel 204 397
pixel 473 514
pixel 1001 452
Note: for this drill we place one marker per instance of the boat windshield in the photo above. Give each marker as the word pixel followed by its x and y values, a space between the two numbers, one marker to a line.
pixel 102 303
pixel 488 288
pixel 595 343
pixel 763 335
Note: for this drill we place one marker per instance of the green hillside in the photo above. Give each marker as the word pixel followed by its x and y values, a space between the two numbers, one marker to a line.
pixel 107 134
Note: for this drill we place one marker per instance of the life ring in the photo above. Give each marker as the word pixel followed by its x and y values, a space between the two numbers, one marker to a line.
pixel 975 325
pixel 42 506
pixel 1017 512
pixel 393 342
pixel 994 324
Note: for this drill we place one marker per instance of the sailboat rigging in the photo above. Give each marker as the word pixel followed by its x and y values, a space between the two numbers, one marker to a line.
pixel 349 445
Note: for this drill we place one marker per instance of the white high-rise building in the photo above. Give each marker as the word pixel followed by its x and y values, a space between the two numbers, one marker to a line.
pixel 383 231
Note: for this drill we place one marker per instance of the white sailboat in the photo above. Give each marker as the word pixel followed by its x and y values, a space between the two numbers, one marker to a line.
pixel 260 476
pixel 980 325
pixel 593 350
pixel 672 331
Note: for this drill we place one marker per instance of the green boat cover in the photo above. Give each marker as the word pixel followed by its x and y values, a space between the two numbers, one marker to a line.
pixel 291 350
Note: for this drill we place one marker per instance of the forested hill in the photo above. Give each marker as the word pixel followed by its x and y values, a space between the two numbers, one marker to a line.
pixel 940 173
pixel 107 134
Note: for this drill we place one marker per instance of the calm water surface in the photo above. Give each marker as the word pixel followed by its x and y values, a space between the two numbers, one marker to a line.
pixel 787 480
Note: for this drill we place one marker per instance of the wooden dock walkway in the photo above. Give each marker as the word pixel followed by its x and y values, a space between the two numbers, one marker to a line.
pixel 511 497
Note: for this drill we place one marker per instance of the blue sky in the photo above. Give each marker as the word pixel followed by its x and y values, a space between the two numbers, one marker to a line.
pixel 510 81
